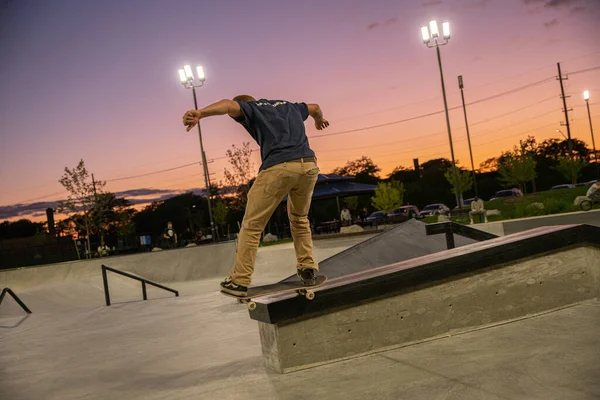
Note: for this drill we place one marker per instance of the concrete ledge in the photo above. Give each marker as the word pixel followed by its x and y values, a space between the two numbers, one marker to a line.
pixel 448 307
pixel 450 291
pixel 510 226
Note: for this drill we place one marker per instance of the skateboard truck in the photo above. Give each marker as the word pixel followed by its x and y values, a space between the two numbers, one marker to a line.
pixel 307 293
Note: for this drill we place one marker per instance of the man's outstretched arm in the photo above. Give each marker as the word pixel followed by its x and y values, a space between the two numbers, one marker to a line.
pixel 315 111
pixel 223 107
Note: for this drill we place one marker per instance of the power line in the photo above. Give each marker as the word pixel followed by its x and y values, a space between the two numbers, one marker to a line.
pixel 515 90
pixel 154 172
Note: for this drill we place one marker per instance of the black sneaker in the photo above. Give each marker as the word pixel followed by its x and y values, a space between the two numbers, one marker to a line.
pixel 228 286
pixel 307 275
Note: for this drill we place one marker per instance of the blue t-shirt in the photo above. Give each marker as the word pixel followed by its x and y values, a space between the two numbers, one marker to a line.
pixel 278 128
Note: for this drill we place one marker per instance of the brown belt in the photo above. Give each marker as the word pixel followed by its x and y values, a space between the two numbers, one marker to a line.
pixel 305 159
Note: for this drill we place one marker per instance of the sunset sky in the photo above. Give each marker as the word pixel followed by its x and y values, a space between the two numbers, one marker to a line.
pixel 97 80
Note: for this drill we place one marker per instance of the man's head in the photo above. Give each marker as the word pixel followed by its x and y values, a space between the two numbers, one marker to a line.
pixel 170 225
pixel 243 98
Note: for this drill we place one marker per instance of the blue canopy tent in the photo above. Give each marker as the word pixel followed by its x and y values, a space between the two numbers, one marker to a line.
pixel 336 186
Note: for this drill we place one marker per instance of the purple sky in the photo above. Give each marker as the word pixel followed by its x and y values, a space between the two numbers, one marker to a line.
pixel 98 80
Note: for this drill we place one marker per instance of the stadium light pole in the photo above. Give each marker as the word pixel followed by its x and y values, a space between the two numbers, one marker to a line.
pixel 431 38
pixel 586 97
pixel 186 76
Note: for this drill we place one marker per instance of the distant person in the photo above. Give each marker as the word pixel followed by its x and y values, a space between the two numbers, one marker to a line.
pixel 103 249
pixel 593 192
pixel 364 213
pixel 477 208
pixel 346 217
pixel 289 167
pixel 170 236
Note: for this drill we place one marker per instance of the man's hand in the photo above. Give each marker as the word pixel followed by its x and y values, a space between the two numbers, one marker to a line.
pixel 321 124
pixel 191 118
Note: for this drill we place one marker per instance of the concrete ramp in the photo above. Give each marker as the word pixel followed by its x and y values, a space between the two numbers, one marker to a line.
pixel 404 242
pixel 441 294
pixel 180 265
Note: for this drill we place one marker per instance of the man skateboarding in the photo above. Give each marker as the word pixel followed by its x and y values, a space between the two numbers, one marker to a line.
pixel 289 167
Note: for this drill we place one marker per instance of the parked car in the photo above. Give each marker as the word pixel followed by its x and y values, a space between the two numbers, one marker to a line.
pixel 565 186
pixel 378 217
pixel 433 209
pixel 404 213
pixel 467 202
pixel 507 193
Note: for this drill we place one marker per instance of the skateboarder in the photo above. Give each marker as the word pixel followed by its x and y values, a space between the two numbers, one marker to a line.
pixel 289 167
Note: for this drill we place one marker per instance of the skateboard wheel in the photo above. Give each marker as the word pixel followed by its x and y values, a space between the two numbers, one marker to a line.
pixel 251 306
pixel 310 295
pixel 240 301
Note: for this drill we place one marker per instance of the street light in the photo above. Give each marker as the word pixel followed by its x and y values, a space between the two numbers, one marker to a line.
pixel 586 97
pixel 186 76
pixel 462 95
pixel 431 38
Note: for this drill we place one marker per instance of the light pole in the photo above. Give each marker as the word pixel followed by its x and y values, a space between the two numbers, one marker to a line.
pixel 586 97
pixel 462 95
pixel 186 77
pixel 430 34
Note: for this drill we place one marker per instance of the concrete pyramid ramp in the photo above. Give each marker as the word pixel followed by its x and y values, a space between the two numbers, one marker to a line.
pixel 404 242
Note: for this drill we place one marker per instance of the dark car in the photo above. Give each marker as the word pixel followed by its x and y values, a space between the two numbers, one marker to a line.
pixel 507 193
pixel 378 217
pixel 404 213
pixel 433 209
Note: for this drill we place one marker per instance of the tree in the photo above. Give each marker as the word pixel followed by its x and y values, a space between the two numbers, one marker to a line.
pixel 388 196
pixel 571 168
pixel 351 203
pixel 220 212
pixel 363 169
pixel 19 229
pixel 84 196
pixel 465 180
pixel 116 218
pixel 242 171
pixel 517 169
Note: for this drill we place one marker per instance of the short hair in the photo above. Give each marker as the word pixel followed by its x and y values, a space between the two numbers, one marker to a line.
pixel 243 98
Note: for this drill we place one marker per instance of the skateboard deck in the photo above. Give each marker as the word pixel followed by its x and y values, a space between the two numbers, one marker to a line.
pixel 255 292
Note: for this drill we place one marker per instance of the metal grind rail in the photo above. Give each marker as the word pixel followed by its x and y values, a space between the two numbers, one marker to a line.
pixel 137 278
pixel 16 298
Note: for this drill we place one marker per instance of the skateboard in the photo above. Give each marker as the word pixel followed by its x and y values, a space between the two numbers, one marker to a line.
pixel 275 288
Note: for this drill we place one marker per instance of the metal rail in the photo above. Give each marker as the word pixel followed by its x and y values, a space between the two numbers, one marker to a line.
pixel 16 298
pixel 450 228
pixel 137 278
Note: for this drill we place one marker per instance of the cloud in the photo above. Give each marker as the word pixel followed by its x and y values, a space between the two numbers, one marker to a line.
pixel 551 24
pixel 135 197
pixel 552 3
pixel 377 24
pixel 432 3
pixel 578 9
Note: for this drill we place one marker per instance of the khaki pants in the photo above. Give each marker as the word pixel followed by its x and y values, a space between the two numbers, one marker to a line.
pixel 296 179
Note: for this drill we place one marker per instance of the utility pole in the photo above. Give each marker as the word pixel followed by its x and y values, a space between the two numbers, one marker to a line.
pixel 564 99
pixel 462 95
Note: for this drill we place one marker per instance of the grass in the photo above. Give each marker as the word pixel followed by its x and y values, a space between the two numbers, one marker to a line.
pixel 554 201
pixel 280 241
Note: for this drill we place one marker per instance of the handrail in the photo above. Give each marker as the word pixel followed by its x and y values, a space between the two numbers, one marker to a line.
pixel 449 228
pixel 16 298
pixel 137 278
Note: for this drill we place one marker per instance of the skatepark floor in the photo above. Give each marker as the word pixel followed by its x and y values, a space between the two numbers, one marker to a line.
pixel 206 347
pixel 203 345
